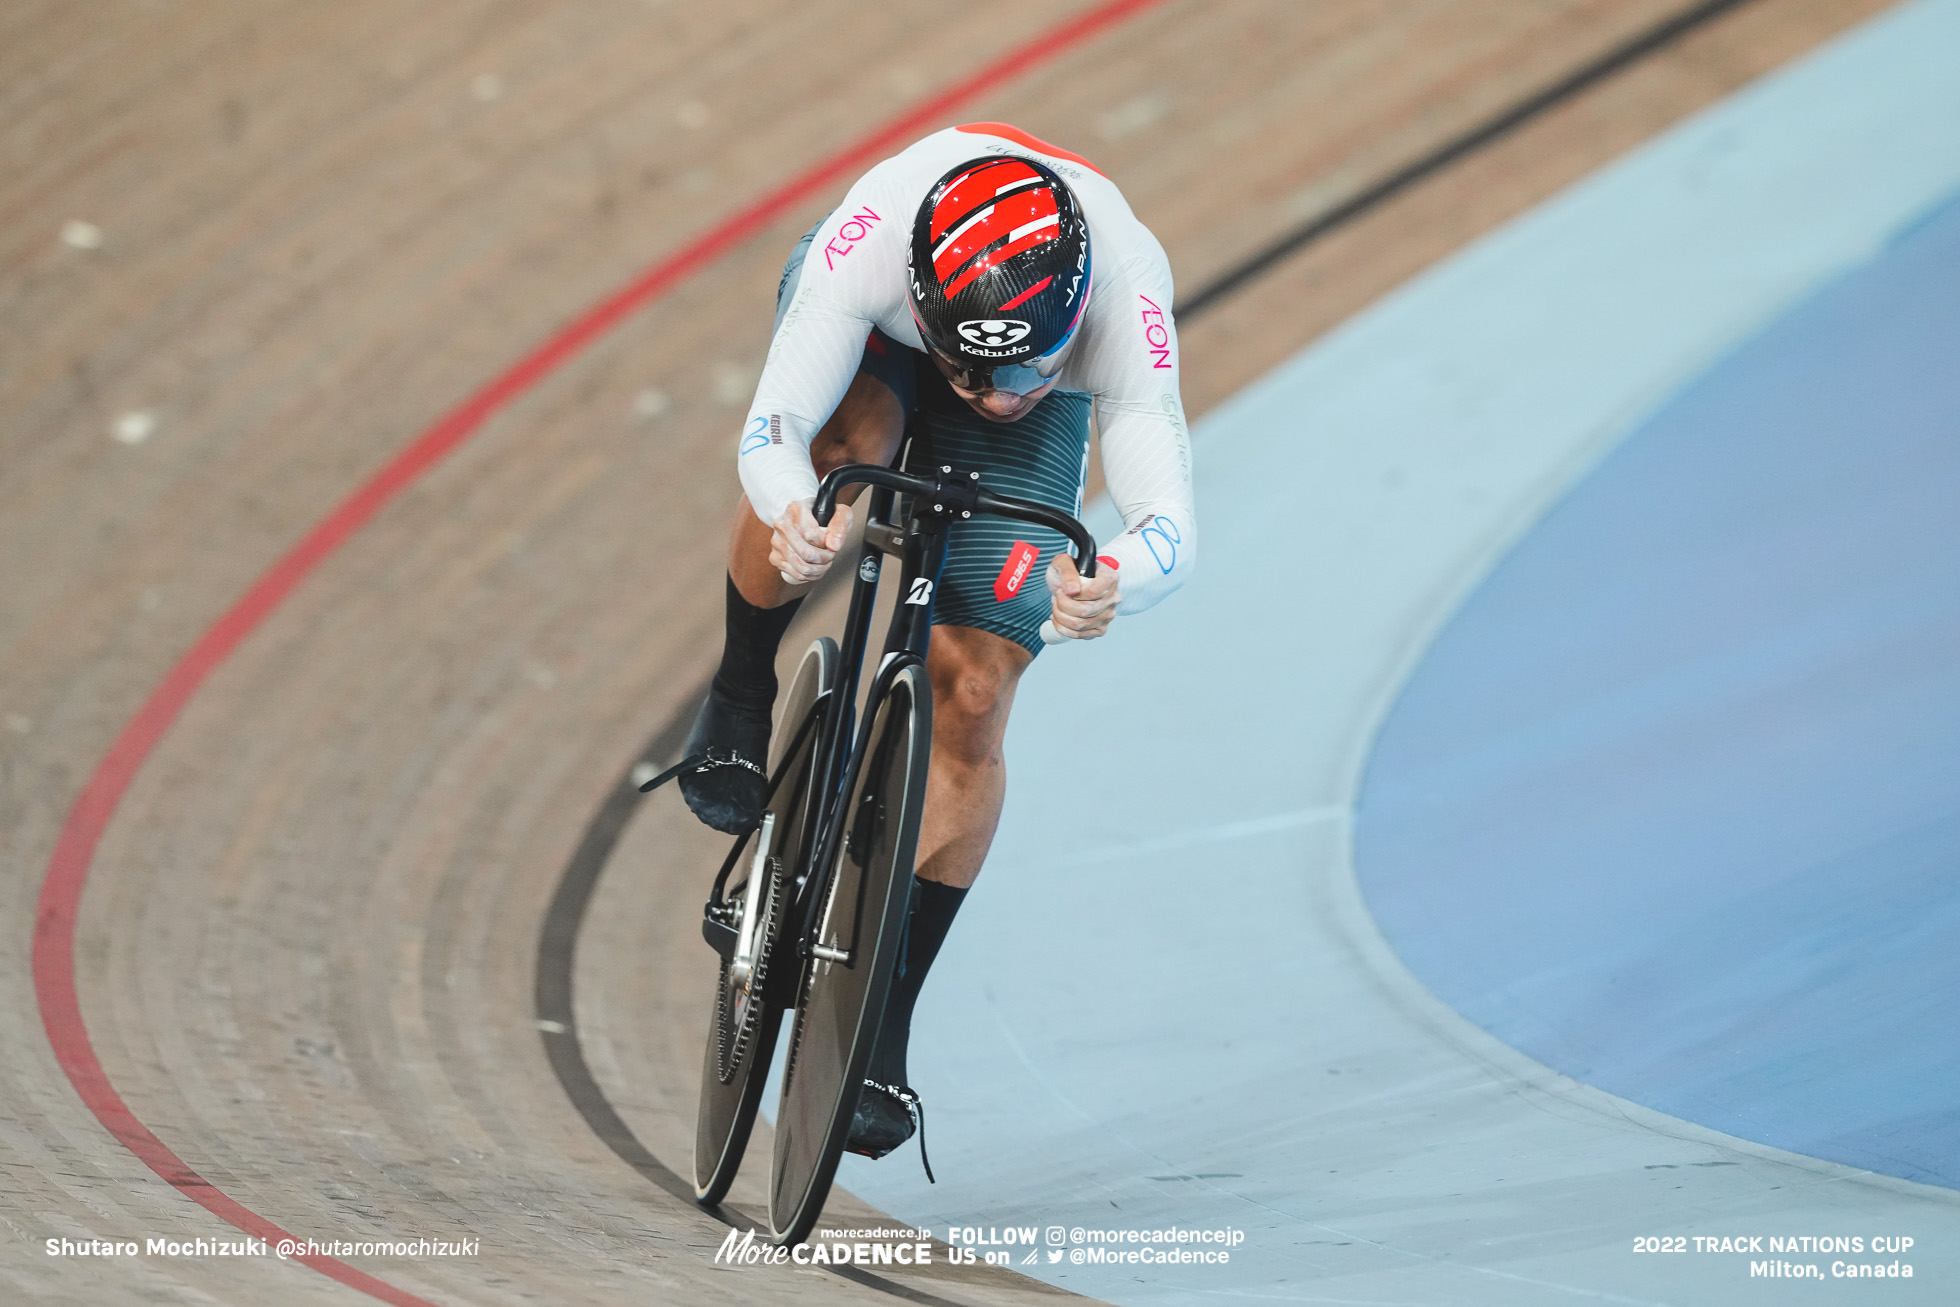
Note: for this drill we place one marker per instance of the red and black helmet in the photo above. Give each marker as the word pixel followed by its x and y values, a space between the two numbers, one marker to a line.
pixel 999 270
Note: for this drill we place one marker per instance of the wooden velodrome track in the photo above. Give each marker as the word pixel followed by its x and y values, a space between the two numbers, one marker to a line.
pixel 307 953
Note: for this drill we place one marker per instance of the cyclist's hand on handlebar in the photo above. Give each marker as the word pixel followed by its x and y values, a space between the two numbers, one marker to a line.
pixel 1082 610
pixel 801 550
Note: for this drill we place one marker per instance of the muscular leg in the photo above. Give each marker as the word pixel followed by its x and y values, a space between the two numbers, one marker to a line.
pixel 974 675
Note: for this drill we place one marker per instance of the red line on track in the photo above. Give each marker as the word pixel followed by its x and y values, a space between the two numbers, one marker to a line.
pixel 68 867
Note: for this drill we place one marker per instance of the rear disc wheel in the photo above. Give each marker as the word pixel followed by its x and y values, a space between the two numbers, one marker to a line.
pixel 743 1019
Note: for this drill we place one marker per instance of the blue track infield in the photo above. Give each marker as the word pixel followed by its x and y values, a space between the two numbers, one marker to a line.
pixel 1673 805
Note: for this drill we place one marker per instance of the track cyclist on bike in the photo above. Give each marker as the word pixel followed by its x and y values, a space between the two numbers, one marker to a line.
pixel 984 291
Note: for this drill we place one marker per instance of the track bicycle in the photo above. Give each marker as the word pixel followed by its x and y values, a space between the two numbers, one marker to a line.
pixel 808 910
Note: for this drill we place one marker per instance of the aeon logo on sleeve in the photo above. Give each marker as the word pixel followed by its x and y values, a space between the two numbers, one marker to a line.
pixel 995 332
pixel 1156 336
pixel 1020 561
pixel 854 229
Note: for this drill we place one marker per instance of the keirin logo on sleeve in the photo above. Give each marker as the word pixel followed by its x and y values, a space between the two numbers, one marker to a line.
pixel 1162 537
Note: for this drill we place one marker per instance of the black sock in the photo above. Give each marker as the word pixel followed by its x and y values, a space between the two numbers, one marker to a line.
pixel 933 908
pixel 751 636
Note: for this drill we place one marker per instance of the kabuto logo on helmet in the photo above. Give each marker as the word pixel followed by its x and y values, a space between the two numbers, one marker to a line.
pixel 999 236
pixel 994 331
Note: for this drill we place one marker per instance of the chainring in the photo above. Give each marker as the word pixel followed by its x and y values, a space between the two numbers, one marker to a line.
pixel 738 1008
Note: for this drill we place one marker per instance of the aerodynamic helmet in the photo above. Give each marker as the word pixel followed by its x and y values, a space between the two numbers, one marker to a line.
pixel 999 272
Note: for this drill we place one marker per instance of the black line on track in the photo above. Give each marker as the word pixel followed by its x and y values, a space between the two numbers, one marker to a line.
pixel 558 941
pixel 1506 121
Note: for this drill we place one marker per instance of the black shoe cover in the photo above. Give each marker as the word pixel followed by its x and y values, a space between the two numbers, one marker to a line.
pixel 728 789
pixel 882 1122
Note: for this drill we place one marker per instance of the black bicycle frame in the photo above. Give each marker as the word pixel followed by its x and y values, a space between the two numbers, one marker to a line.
pixel 918 540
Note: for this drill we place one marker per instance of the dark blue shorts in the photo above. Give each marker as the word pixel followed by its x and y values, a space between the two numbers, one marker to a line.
pixel 993 579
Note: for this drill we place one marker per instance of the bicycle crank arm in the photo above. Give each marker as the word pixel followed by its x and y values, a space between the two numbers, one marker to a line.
pixel 720 935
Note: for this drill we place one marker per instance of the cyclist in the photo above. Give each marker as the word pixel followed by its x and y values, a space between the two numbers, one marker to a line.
pixel 985 291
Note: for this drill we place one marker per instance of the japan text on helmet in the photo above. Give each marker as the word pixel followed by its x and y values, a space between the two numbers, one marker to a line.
pixel 999 270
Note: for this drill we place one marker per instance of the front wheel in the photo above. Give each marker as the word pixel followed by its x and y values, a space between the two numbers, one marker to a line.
pixel 858 926
pixel 742 1022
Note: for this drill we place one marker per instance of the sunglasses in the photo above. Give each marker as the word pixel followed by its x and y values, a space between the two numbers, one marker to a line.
pixel 1012 378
